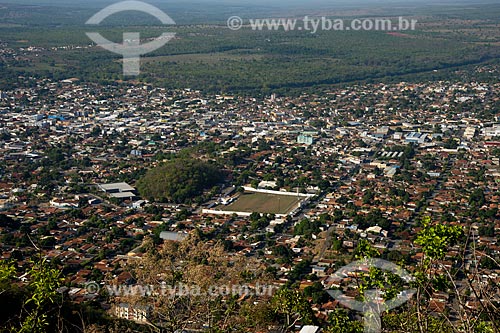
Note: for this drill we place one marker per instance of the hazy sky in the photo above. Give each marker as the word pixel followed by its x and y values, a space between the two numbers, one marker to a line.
pixel 192 11
pixel 281 3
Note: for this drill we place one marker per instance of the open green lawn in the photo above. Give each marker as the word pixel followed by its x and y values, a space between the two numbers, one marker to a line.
pixel 263 203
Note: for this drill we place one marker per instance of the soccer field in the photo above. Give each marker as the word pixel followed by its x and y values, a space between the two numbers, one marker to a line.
pixel 263 203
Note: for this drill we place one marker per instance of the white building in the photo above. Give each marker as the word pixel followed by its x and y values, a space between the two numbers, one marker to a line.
pixel 491 131
pixel 118 190
pixel 135 313
pixel 309 329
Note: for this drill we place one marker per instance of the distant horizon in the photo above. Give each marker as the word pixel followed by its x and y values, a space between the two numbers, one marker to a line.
pixel 221 9
pixel 74 13
pixel 278 3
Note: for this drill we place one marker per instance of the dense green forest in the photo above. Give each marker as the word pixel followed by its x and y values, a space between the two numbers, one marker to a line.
pixel 213 58
pixel 180 180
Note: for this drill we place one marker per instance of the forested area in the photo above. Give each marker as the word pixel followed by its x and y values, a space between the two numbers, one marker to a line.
pixel 180 180
pixel 213 58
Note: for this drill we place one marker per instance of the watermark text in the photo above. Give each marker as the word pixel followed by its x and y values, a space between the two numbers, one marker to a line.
pixel 181 290
pixel 316 24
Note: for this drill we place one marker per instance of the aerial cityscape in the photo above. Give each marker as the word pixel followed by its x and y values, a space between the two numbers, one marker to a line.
pixel 268 167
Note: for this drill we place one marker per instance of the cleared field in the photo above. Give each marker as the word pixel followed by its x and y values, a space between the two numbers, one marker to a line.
pixel 263 203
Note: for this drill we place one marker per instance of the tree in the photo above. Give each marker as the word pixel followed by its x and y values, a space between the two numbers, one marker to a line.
pixel 339 322
pixel 432 276
pixel 293 306
pixel 307 228
pixel 365 250
pixel 40 296
pixel 44 282
pixel 8 222
pixel 179 180
pixel 436 239
pixel 317 293
pixel 204 287
pixel 7 273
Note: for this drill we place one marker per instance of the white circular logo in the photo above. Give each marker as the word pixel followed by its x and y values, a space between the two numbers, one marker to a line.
pixel 131 49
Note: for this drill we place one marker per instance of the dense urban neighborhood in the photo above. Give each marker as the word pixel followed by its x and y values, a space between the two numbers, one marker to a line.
pixel 298 186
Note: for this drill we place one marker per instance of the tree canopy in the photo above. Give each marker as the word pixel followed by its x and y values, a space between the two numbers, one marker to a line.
pixel 179 180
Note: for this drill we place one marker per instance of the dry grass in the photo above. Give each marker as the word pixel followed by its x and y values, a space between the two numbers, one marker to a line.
pixel 263 203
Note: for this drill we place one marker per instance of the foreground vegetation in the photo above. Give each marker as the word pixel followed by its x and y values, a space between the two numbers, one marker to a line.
pixel 40 306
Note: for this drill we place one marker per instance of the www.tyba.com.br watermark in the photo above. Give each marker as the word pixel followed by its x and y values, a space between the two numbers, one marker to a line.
pixel 181 290
pixel 316 24
pixel 372 306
